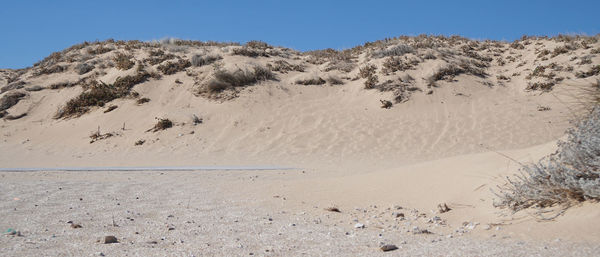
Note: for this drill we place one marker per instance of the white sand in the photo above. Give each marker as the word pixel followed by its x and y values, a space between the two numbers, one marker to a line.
pixel 350 153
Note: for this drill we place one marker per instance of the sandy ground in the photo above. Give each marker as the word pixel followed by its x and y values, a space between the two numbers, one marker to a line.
pixel 384 169
pixel 200 214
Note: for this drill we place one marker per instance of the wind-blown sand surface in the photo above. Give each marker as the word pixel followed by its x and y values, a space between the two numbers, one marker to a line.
pixel 373 164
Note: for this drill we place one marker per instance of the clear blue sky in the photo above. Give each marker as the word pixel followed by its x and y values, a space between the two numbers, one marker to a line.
pixel 32 30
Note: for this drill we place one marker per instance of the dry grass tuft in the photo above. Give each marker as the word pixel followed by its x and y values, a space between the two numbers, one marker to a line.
pixel 83 68
pixel 162 124
pixel 593 71
pixel 285 67
pixel 97 136
pixel 224 80
pixel 570 175
pixel 123 61
pixel 143 100
pixel 311 81
pixel 99 93
pixel 199 60
pixel 10 99
pixel 368 72
pixel 170 68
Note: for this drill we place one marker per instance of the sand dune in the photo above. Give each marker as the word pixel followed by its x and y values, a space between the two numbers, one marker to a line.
pixel 442 141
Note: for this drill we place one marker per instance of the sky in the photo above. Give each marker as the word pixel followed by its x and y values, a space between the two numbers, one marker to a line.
pixel 32 30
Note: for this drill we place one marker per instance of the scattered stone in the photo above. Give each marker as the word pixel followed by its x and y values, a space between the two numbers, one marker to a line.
pixel 398 215
pixel 333 209
pixel 73 225
pixel 416 230
pixel 389 247
pixel 359 225
pixel 442 208
pixel 110 240
pixel 543 108
pixel 470 225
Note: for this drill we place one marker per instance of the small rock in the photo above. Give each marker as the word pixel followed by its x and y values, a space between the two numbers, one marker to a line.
pixel 398 215
pixel 110 240
pixel 487 227
pixel 359 225
pixel 152 242
pixel 471 225
pixel 333 209
pixel 416 230
pixel 73 225
pixel 389 247
pixel 442 208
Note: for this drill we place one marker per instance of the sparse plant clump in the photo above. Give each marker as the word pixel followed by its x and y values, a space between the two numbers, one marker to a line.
pixel 595 70
pixel 517 45
pixel 15 117
pixel 170 68
pixel 339 60
pixel 50 70
pixel 162 124
pixel 143 100
pixel 311 81
pixel 585 60
pixel 284 67
pixel 12 86
pixel 258 44
pixel 10 99
pixel 123 61
pixel 228 80
pixel 368 72
pixel 199 60
pixel 449 71
pixel 158 56
pixel 385 104
pixel 60 85
pixel 544 86
pixel 250 52
pixel 84 68
pixel 543 53
pixel 393 64
pixel 97 136
pixel 429 55
pixel 99 93
pixel 34 88
pixel 334 80
pixel 570 175
pixel 111 108
pixel 559 50
pixel 98 50
pixel 398 50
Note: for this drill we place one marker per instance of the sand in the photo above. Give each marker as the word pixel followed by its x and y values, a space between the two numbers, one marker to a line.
pixel 344 151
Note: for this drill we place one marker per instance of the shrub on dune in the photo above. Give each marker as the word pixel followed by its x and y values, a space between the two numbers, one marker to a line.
pixel 225 80
pixel 570 175
pixel 99 94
